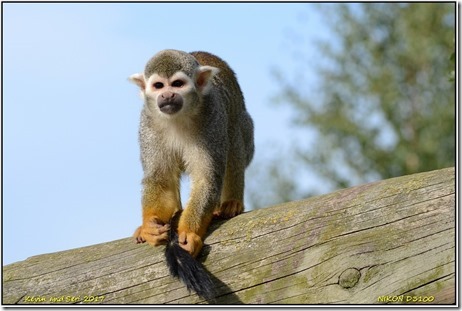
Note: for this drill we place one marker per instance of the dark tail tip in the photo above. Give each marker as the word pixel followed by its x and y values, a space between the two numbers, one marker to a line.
pixel 183 266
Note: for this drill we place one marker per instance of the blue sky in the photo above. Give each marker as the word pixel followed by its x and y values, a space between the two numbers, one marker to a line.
pixel 71 169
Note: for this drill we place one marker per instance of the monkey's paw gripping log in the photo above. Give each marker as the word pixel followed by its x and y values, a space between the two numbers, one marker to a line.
pixel 229 209
pixel 190 242
pixel 153 231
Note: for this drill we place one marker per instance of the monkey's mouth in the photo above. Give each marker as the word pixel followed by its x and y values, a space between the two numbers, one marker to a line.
pixel 168 107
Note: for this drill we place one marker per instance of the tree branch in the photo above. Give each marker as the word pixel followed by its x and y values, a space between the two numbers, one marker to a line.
pixel 391 241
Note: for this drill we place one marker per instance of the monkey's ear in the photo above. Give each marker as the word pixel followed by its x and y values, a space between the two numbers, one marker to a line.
pixel 138 79
pixel 204 77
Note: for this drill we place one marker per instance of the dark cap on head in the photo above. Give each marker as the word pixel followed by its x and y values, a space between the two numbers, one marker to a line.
pixel 167 62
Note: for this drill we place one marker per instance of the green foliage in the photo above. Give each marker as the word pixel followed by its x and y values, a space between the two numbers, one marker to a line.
pixel 385 106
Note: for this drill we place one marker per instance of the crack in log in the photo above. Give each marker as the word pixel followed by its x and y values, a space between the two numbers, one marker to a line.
pixel 448 276
pixel 422 252
pixel 83 263
pixel 22 297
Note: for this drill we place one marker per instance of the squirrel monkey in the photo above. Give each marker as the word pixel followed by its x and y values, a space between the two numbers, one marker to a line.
pixel 193 120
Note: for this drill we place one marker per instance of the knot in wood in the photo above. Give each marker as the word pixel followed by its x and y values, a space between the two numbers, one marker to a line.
pixel 349 278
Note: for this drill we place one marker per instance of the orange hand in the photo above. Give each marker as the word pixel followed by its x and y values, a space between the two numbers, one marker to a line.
pixel 190 242
pixel 154 232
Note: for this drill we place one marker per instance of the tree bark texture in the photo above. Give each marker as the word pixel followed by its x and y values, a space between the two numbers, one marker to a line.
pixel 391 241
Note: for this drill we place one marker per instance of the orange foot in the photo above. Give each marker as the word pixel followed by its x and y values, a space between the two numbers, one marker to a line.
pixel 229 209
pixel 190 242
pixel 154 232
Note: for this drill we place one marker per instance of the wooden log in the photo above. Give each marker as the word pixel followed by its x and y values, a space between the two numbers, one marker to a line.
pixel 391 241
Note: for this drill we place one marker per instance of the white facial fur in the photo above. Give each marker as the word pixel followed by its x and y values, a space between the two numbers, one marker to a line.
pixel 179 83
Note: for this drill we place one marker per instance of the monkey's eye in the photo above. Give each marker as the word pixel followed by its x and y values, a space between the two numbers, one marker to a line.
pixel 158 85
pixel 177 83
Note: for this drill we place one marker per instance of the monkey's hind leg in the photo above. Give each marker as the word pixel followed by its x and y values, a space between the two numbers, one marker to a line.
pixel 232 196
pixel 229 209
pixel 160 201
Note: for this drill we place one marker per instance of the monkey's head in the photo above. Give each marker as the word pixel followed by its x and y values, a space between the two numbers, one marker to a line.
pixel 173 82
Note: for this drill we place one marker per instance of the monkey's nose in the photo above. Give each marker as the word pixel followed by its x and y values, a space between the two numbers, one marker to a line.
pixel 168 95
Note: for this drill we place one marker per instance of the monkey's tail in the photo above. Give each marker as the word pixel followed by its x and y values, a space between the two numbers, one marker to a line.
pixel 183 266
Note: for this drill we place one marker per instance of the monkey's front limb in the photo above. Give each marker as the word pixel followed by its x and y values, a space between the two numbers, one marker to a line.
pixel 197 215
pixel 160 201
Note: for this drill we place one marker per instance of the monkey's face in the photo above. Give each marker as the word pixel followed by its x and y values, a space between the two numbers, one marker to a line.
pixel 177 94
pixel 170 96
pixel 173 83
